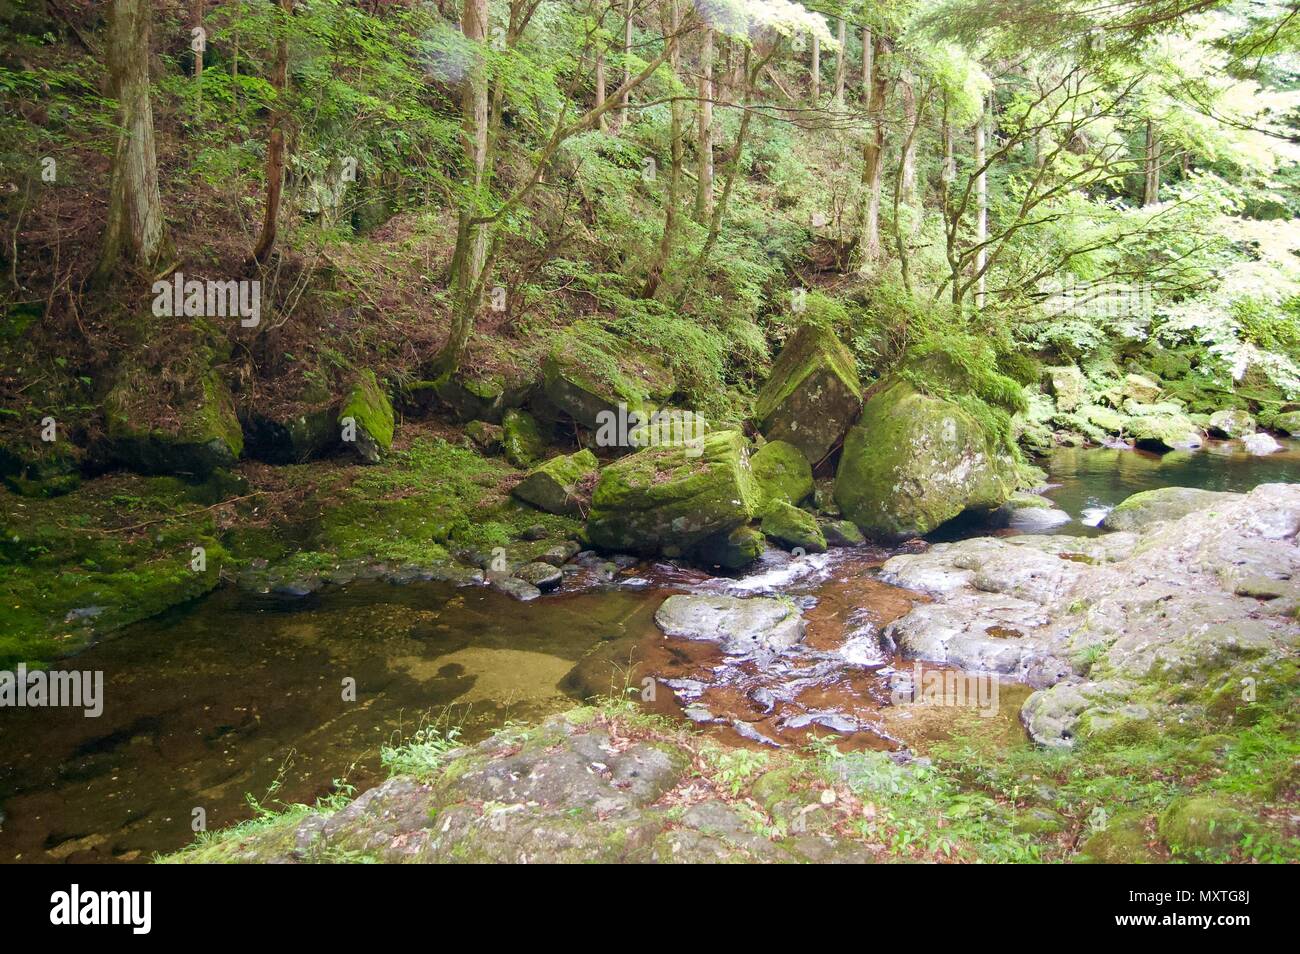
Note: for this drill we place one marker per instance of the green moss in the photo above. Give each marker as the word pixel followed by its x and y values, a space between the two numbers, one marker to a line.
pixel 522 438
pixel 812 393
pixel 370 410
pixel 782 472
pixel 589 371
pixel 793 527
pixel 1202 822
pixel 666 499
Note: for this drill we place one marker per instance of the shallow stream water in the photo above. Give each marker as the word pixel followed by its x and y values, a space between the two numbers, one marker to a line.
pixel 239 695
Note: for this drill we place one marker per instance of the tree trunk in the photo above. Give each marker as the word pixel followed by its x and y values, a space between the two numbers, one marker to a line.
pixel 275 147
pixel 600 85
pixel 655 275
pixel 866 63
pixel 839 66
pixel 622 115
pixel 704 146
pixel 136 232
pixel 470 254
pixel 816 71
pixel 908 157
pixel 873 156
pixel 1151 165
pixel 981 207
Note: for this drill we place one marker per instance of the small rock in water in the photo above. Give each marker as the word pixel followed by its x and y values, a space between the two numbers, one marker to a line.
pixel 747 731
pixel 514 587
pixel 541 575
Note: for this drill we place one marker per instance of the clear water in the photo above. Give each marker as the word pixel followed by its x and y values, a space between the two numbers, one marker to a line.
pixel 238 695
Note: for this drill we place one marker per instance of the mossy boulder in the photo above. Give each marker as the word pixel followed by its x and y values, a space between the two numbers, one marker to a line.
pixel 522 438
pixel 556 485
pixel 1149 507
pixel 731 550
pixel 1166 364
pixel 782 472
pixel 489 438
pixel 1201 822
pixel 1232 422
pixel 1067 385
pixel 913 461
pixel 177 419
pixel 793 527
pixel 812 395
pixel 1140 388
pixel 1161 427
pixel 1288 422
pixel 667 499
pixel 1122 842
pixel 366 419
pixel 485 396
pixel 589 371
pixel 842 533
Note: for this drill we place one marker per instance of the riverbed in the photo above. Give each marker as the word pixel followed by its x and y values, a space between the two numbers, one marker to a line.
pixel 241 699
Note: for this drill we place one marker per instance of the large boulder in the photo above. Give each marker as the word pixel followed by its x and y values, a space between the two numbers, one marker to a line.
pixel 738 625
pixel 366 419
pixel 782 472
pixel 1161 427
pixel 732 550
pixel 522 438
pixel 1142 389
pixel 589 372
pixel 486 396
pixel 556 485
pixel 1067 385
pixel 293 434
pixel 1288 422
pixel 666 499
pixel 1149 507
pixel 812 394
pixel 177 419
pixel 1232 422
pixel 914 461
pixel 788 524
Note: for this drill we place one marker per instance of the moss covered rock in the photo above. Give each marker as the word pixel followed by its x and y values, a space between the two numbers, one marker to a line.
pixel 1232 422
pixel 485 397
pixel 793 527
pixel 589 371
pixel 1288 422
pixel 1200 822
pixel 914 461
pixel 38 468
pixel 1141 510
pixel 1122 842
pixel 667 499
pixel 1067 385
pixel 1140 388
pixel 1162 427
pixel 782 472
pixel 489 438
pixel 188 428
pixel 556 485
pixel 812 395
pixel 366 419
pixel 731 550
pixel 522 438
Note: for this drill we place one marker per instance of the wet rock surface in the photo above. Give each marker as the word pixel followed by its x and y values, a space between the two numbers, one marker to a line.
pixel 1120 630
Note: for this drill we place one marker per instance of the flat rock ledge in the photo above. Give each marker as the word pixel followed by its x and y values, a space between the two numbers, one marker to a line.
pixel 1116 633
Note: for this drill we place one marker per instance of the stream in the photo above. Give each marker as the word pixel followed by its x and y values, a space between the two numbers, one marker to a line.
pixel 239 695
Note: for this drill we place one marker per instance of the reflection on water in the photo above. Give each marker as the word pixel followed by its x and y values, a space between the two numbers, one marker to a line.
pixel 1099 478
pixel 205 704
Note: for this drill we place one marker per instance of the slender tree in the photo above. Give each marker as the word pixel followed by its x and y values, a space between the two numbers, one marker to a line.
pixel 275 148
pixel 136 233
pixel 704 143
